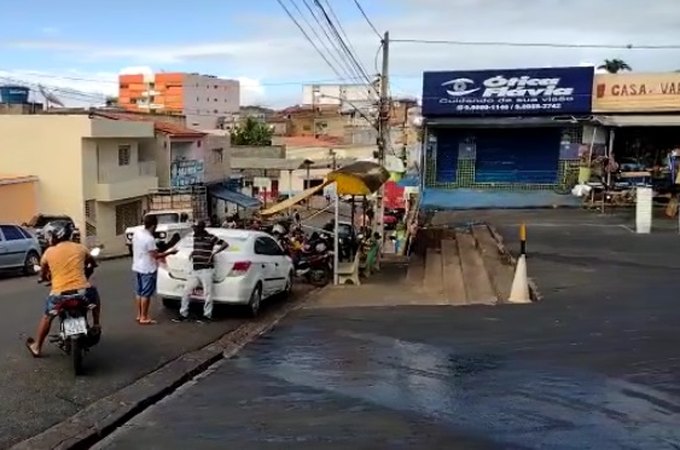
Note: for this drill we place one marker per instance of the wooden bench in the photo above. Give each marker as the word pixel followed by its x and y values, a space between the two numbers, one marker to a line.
pixel 349 271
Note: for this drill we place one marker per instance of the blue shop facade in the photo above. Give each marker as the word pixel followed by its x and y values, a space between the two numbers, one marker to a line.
pixel 499 135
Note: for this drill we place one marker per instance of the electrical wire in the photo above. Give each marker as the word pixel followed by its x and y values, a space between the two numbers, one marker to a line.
pixel 304 33
pixel 368 20
pixel 342 42
pixel 347 65
pixel 537 44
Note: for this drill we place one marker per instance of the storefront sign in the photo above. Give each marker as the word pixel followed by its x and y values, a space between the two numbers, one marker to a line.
pixel 186 172
pixel 629 92
pixel 559 90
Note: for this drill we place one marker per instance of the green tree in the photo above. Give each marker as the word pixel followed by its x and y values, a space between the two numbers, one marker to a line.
pixel 614 65
pixel 252 132
pixel 111 101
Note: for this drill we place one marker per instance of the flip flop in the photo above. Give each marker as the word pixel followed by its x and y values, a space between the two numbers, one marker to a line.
pixel 29 342
pixel 148 322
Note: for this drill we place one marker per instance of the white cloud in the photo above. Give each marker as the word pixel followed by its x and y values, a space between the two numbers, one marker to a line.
pixel 252 91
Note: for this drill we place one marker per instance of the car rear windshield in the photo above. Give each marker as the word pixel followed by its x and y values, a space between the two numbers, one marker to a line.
pixel 41 221
pixel 236 245
pixel 167 218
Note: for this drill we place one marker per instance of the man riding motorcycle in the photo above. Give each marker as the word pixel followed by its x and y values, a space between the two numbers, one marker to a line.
pixel 68 265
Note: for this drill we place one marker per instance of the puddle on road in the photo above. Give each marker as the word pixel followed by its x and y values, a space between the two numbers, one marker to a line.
pixel 482 394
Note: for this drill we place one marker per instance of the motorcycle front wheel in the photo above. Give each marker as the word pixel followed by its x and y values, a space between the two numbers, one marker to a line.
pixel 77 353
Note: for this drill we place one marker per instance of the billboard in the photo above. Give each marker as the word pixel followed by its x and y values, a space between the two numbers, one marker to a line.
pixel 555 90
pixel 186 172
pixel 637 92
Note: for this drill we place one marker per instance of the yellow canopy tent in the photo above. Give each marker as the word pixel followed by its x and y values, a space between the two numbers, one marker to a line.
pixel 294 200
pixel 359 178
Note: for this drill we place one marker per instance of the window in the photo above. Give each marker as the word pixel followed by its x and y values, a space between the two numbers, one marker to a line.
pixel 198 144
pixel 216 86
pixel 124 86
pixel 198 99
pixel 217 155
pixel 26 233
pixel 215 99
pixel 128 215
pixel 124 155
pixel 267 246
pixel 11 233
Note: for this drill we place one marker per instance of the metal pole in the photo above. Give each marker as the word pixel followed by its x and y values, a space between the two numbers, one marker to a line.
pixel 290 190
pixel 384 111
pixel 336 250
pixel 610 152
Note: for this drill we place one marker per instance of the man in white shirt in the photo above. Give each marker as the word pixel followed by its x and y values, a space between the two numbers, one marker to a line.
pixel 145 256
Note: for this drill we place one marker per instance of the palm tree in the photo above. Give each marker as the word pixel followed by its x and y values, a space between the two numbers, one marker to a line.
pixel 252 132
pixel 614 65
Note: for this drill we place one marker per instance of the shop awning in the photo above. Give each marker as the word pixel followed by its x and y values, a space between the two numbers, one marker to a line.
pixel 294 200
pixel 638 121
pixel 221 192
pixel 501 122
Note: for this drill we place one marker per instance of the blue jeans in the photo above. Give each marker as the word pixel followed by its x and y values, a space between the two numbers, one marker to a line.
pixel 145 284
pixel 91 295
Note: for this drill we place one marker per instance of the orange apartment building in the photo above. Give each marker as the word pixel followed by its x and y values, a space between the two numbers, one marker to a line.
pixel 205 100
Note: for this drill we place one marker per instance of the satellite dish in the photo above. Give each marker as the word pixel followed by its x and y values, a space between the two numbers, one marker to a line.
pixel 49 97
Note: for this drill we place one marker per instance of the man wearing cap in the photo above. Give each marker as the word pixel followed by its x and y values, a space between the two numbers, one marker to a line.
pixel 202 258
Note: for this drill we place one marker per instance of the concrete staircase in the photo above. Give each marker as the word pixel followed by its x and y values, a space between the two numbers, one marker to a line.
pixel 463 266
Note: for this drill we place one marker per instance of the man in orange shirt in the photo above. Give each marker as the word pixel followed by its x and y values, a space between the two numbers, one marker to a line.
pixel 65 262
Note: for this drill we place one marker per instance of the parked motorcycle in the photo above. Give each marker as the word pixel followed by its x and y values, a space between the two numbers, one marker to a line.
pixel 315 262
pixel 75 336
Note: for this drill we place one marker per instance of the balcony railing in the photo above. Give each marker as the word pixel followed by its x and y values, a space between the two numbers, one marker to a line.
pixel 120 174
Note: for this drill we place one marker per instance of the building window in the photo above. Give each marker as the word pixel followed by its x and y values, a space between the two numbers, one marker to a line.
pixel 128 215
pixel 198 144
pixel 124 86
pixel 215 99
pixel 152 85
pixel 124 152
pixel 216 86
pixel 198 99
pixel 215 111
pixel 217 155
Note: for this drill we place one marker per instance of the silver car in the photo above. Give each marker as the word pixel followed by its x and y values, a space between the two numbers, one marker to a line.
pixel 19 249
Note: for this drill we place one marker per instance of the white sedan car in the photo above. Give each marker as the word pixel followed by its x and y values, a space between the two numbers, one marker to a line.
pixel 253 268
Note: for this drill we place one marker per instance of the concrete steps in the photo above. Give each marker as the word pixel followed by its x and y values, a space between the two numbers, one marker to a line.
pixel 465 266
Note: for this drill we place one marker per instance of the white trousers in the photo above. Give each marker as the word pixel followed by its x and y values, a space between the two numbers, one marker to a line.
pixel 203 278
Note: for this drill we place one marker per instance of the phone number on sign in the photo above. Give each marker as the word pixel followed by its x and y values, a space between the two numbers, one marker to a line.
pixel 518 107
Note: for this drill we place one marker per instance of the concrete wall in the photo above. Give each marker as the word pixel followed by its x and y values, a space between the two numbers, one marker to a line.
pixel 49 147
pixel 217 165
pixel 18 200
pixel 247 151
pixel 207 98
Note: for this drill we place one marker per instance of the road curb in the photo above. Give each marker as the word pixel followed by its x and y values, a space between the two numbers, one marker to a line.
pixel 102 417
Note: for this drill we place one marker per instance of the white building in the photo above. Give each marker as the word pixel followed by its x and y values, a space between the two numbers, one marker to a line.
pixel 347 96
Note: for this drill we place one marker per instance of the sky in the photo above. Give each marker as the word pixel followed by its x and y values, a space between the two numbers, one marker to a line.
pixel 77 48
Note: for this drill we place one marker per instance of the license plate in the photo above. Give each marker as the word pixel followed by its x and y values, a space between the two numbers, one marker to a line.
pixel 76 325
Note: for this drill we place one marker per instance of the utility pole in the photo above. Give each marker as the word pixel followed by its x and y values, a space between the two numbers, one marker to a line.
pixel 383 128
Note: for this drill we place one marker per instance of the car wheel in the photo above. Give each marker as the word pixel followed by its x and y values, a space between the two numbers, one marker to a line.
pixel 288 290
pixel 255 301
pixel 32 259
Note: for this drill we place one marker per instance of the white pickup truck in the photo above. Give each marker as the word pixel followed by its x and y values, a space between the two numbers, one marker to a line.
pixel 170 223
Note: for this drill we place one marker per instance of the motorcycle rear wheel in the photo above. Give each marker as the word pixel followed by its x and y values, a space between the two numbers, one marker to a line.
pixel 319 278
pixel 77 353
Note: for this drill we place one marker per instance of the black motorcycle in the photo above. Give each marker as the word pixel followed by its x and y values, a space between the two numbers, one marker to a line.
pixel 75 336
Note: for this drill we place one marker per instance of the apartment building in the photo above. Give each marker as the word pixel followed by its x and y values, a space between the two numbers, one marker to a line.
pixel 94 169
pixel 346 96
pixel 207 102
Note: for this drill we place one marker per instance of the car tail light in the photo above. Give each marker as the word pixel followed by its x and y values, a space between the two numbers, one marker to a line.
pixel 239 268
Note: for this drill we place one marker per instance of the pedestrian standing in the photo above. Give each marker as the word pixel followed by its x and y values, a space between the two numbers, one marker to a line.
pixel 203 260
pixel 145 256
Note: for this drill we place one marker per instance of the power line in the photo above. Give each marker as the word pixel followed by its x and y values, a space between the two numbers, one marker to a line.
pixel 370 23
pixel 343 60
pixel 538 44
pixel 342 42
pixel 342 29
pixel 304 33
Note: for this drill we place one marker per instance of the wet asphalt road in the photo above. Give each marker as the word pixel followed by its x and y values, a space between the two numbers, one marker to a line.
pixel 595 365
pixel 36 394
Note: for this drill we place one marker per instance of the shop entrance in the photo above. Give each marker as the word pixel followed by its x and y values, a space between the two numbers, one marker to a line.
pixel 519 155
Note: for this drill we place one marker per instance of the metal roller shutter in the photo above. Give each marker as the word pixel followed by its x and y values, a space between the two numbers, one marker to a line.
pixel 447 155
pixel 518 155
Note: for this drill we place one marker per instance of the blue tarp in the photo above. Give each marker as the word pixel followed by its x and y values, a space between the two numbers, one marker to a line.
pixel 222 192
